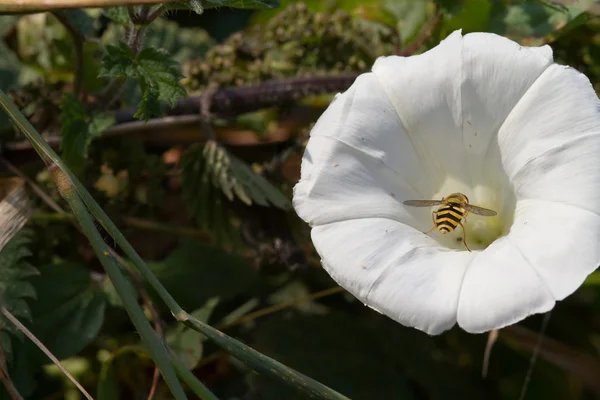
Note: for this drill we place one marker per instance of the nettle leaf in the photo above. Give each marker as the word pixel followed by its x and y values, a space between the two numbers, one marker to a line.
pixel 70 308
pixel 213 164
pixel 118 15
pixel 78 129
pixel 196 272
pixel 158 76
pixel 212 178
pixel 15 288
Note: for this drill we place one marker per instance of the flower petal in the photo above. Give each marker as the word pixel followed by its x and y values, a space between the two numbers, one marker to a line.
pixel 395 270
pixel 559 241
pixel 499 289
pixel 359 162
pixel 425 90
pixel 496 72
pixel 551 141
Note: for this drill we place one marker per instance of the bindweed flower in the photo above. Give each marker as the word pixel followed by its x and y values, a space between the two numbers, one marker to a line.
pixel 480 115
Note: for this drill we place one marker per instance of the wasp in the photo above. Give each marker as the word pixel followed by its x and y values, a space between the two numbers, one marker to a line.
pixel 454 208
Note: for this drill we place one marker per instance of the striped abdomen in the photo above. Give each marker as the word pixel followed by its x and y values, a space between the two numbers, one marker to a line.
pixel 448 217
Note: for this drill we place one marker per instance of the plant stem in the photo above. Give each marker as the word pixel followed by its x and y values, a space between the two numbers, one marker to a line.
pixel 148 335
pixel 190 380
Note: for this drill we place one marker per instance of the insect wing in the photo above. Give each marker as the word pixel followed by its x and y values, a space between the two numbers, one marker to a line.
pixel 479 210
pixel 422 203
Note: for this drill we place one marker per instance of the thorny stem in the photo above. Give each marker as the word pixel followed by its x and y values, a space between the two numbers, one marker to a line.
pixel 43 348
pixel 226 102
pixel 242 99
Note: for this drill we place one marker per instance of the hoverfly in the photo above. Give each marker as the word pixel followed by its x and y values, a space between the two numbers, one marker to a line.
pixel 454 208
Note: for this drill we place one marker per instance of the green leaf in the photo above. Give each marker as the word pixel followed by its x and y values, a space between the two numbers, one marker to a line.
pixel 79 20
pixel 69 310
pixel 195 272
pixel 118 15
pixel 157 74
pixel 78 129
pixel 538 22
pixel 16 290
pixel 186 342
pixel 117 61
pixel 213 164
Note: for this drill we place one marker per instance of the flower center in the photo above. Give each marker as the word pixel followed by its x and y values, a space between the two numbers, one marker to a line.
pixel 480 231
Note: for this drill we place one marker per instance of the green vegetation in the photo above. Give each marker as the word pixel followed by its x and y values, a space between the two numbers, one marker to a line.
pixel 163 258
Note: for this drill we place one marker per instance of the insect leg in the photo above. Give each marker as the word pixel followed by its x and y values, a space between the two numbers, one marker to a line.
pixel 464 236
pixel 433 215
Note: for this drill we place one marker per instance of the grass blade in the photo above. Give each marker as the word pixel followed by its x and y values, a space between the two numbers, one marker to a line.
pixel 148 335
pixel 253 359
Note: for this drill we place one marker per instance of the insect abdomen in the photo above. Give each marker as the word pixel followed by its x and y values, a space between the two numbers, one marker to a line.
pixel 448 217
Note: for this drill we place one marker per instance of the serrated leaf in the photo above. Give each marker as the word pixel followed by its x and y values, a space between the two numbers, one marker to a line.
pixel 157 74
pixel 69 310
pixel 79 20
pixel 78 129
pixel 196 272
pixel 230 175
pixel 14 285
pixel 118 15
pixel 117 61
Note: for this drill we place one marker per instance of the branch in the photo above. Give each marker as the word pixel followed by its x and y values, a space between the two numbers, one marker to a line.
pixel 33 6
pixel 227 102
pixel 230 102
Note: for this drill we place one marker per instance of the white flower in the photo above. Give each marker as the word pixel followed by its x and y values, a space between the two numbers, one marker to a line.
pixel 480 115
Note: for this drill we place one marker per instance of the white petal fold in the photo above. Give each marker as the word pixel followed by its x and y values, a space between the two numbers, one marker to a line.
pixel 394 269
pixel 499 289
pixel 560 242
pixel 550 143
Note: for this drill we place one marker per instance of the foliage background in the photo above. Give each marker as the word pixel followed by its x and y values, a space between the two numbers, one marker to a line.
pixel 208 204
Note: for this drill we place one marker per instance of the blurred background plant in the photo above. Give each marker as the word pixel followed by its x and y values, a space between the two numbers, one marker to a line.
pixel 187 124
